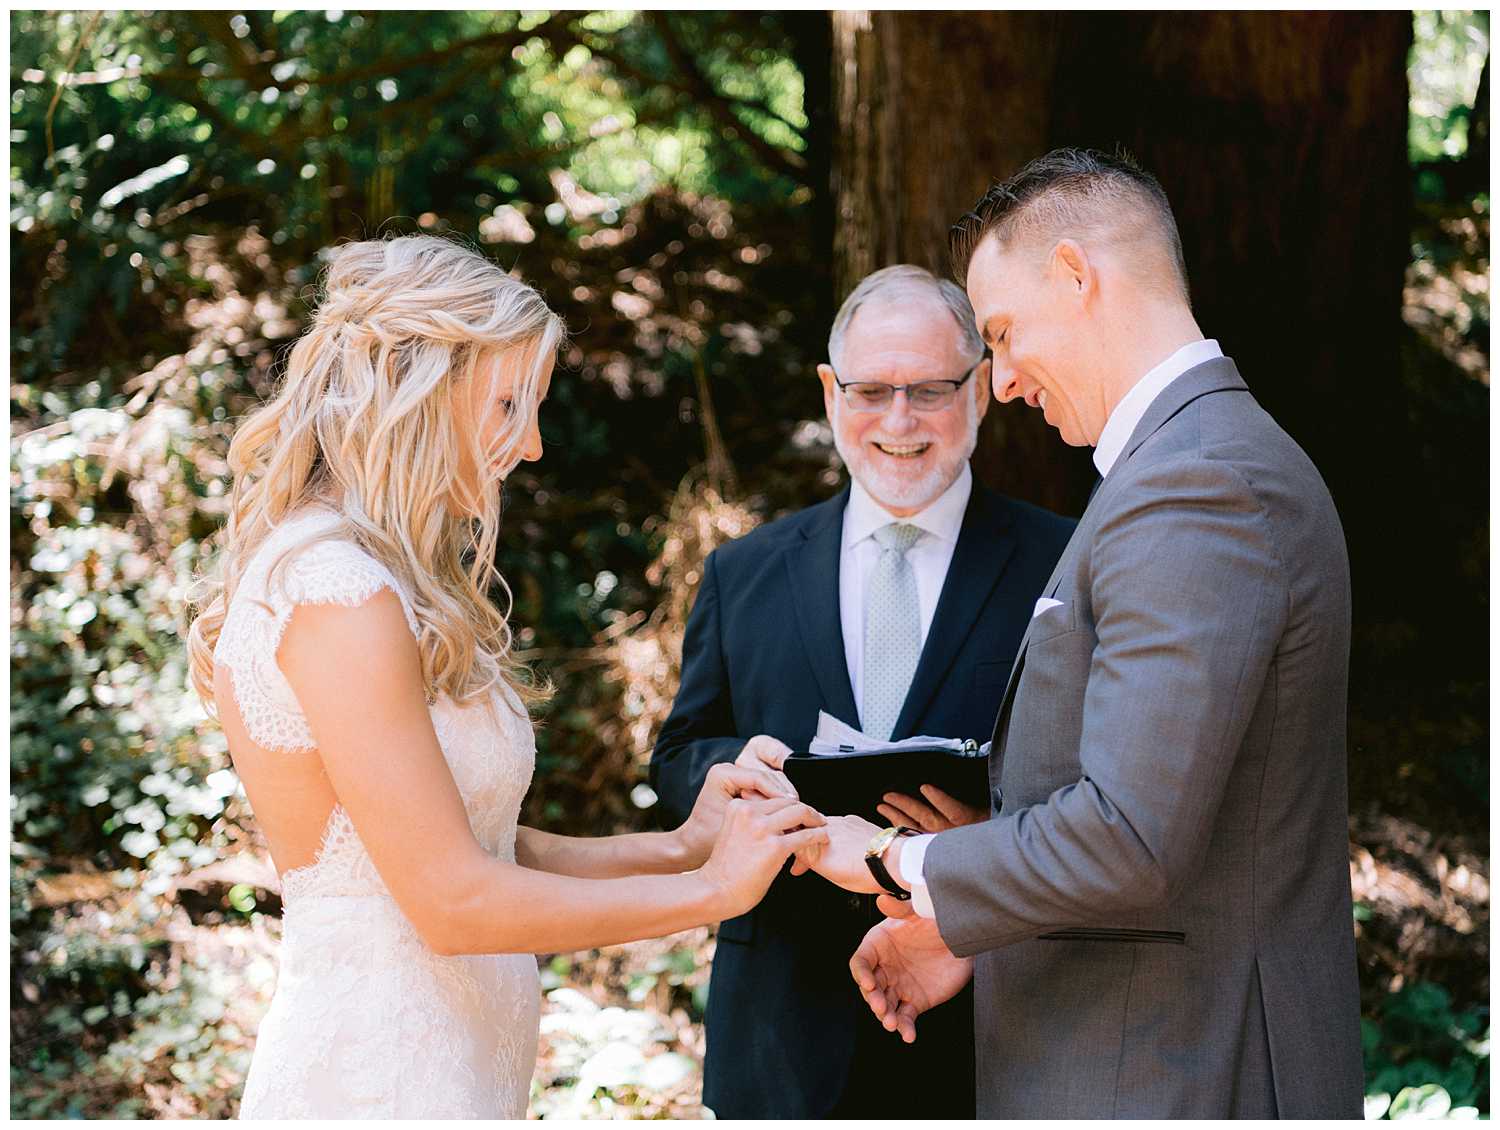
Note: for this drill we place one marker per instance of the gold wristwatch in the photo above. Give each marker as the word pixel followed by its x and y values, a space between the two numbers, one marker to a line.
pixel 875 860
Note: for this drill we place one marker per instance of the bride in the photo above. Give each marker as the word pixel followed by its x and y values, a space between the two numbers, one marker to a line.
pixel 379 722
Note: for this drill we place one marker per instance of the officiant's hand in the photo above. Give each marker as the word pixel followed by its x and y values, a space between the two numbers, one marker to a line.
pixel 937 812
pixel 903 968
pixel 723 784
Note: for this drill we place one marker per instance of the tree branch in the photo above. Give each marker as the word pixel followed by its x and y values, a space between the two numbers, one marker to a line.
pixel 569 37
pixel 244 60
pixel 57 94
pixel 386 68
pixel 785 161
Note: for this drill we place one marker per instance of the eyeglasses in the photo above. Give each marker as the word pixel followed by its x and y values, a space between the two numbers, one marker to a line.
pixel 923 396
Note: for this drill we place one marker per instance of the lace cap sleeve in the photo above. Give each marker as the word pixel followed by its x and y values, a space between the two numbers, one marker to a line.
pixel 322 572
pixel 333 572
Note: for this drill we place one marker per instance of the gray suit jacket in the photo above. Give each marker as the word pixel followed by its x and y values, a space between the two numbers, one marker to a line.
pixel 1160 903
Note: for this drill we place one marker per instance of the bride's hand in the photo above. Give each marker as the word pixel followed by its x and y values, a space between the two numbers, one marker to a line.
pixel 724 783
pixel 754 842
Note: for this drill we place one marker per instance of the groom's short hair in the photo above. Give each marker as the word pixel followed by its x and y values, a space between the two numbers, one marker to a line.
pixel 1073 193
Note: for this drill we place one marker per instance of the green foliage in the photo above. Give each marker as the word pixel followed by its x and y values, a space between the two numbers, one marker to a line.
pixel 1449 51
pixel 324 125
pixel 175 177
pixel 168 215
pixel 1429 1055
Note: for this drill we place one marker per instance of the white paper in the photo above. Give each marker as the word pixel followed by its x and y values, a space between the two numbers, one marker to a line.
pixel 839 739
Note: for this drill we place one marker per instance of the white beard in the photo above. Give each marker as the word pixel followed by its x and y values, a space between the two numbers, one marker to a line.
pixel 887 485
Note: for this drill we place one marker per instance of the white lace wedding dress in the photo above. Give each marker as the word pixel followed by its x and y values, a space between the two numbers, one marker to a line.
pixel 366 1021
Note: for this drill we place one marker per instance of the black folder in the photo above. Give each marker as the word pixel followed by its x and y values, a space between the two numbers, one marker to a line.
pixel 853 784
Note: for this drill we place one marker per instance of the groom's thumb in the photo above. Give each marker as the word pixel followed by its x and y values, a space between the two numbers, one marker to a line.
pixel 892 907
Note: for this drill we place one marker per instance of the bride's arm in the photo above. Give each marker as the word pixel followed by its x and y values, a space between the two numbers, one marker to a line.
pixel 653 853
pixel 604 857
pixel 357 676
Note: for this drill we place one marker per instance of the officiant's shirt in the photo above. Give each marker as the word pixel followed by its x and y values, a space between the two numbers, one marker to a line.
pixel 929 558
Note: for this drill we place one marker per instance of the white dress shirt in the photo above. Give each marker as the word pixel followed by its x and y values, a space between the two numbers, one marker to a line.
pixel 1127 414
pixel 929 558
pixel 1112 440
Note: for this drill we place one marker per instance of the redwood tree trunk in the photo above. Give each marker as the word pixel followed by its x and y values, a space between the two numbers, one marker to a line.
pixel 931 107
pixel 1281 141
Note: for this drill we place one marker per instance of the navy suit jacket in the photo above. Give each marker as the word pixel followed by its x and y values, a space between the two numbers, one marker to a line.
pixel 763 653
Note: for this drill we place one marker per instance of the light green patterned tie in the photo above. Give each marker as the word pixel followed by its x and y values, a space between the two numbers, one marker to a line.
pixel 893 630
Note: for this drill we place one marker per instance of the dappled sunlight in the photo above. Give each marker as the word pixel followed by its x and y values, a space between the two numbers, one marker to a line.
pixel 177 180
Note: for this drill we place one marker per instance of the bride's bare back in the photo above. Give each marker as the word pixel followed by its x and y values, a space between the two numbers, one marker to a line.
pixel 291 795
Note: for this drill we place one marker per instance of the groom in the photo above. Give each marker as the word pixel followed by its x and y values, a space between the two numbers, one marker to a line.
pixel 1157 915
pixel 809 613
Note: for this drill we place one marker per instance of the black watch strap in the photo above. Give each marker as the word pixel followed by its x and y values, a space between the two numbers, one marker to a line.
pixel 876 864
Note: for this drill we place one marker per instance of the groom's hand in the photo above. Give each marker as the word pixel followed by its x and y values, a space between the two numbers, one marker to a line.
pixel 903 968
pixel 843 858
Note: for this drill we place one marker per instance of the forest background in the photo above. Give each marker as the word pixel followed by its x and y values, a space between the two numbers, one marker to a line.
pixel 694 193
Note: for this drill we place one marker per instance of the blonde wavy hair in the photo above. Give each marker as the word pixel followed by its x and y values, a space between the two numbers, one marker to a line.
pixel 364 422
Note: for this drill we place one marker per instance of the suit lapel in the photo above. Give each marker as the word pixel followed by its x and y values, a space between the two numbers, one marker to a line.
pixel 985 545
pixel 1216 375
pixel 813 568
pixel 1015 669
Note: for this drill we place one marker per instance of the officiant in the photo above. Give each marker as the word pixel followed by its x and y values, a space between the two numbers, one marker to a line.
pixel 895 606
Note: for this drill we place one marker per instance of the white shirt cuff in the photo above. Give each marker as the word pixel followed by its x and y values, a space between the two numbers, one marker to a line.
pixel 913 855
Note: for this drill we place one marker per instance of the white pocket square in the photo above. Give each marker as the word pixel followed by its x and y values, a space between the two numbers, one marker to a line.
pixel 1044 603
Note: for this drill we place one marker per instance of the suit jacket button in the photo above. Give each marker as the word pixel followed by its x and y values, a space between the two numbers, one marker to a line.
pixel 854 902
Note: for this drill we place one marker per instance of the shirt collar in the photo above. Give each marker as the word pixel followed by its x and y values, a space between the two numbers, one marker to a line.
pixel 1127 414
pixel 942 518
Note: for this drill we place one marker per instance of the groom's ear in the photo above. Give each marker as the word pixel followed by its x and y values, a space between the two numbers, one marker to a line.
pixel 1073 270
pixel 982 379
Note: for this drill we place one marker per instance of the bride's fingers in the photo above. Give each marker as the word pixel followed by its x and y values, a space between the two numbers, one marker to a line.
pixel 742 779
pixel 784 816
pixel 768 806
pixel 798 841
